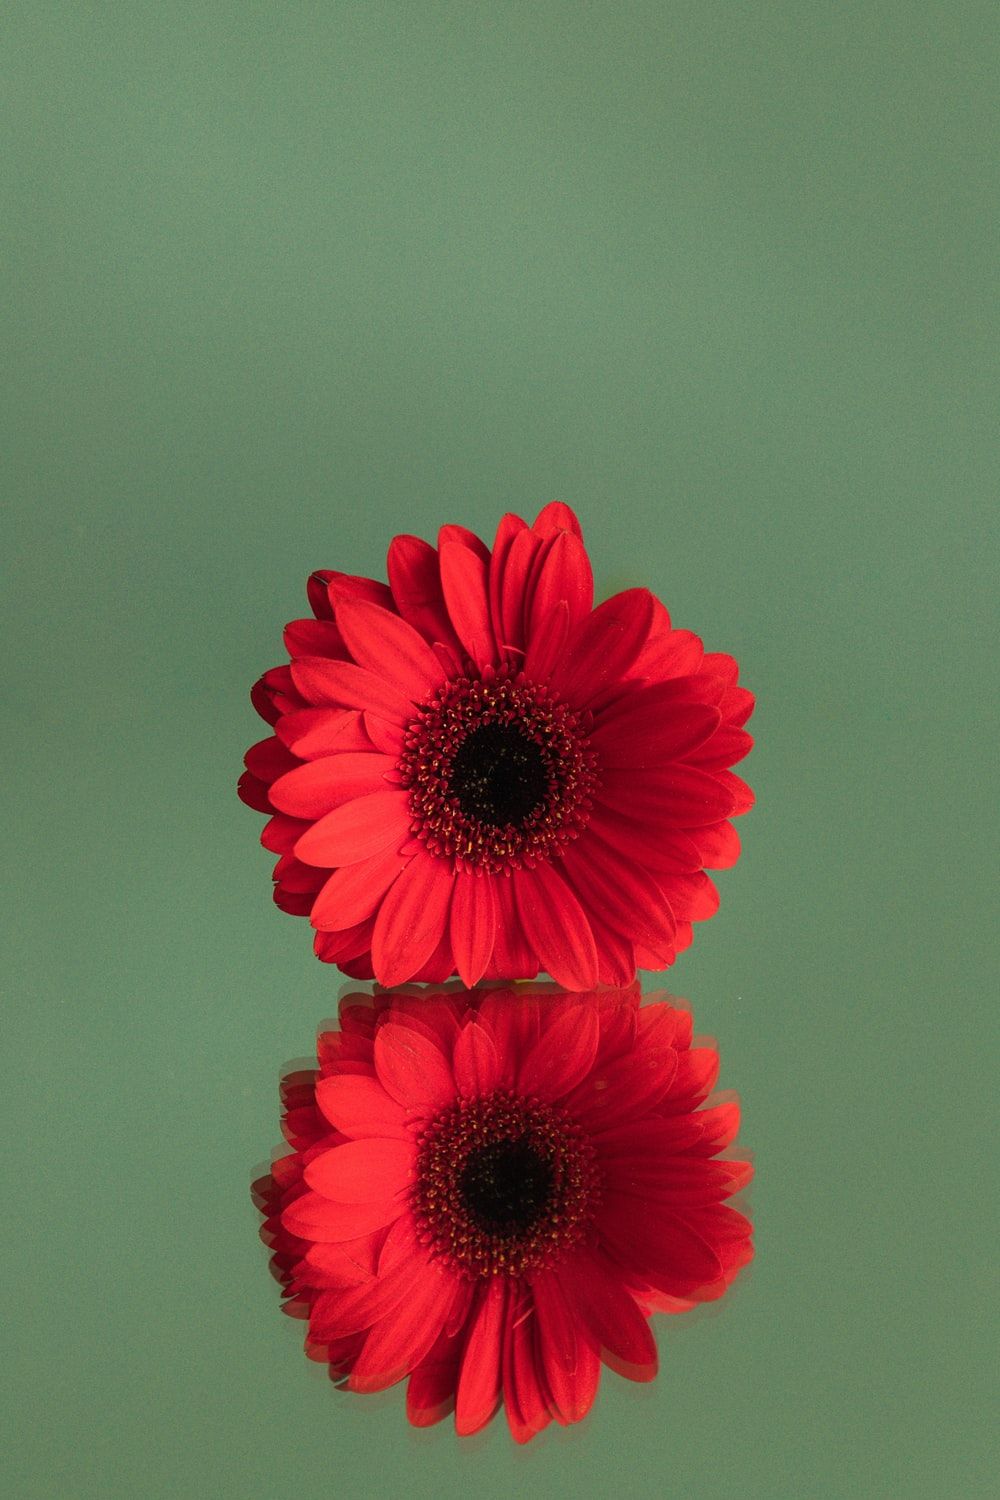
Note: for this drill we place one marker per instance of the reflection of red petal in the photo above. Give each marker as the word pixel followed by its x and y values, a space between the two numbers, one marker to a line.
pixel 358 1105
pixel 478 1393
pixel 476 1061
pixel 562 1056
pixel 610 1318
pixel 525 1398
pixel 346 1214
pixel 362 1171
pixel 411 1069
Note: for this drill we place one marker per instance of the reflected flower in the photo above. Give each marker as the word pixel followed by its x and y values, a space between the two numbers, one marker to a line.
pixel 489 1194
pixel 473 771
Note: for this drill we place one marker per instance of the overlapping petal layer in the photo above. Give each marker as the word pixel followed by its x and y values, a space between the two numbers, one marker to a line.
pixel 474 771
pixel 490 1193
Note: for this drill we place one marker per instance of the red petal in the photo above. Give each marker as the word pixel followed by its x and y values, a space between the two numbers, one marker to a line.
pixel 473 924
pixel 274 694
pixel 678 796
pixel 563 1055
pixel 342 586
pixel 312 732
pixel 269 759
pixel 547 645
pixel 514 586
pixel 251 790
pixel 615 954
pixel 359 1106
pixel 362 1171
pixel 646 1137
pixel 726 746
pixel 463 537
pixel 656 847
pixel 347 946
pixel 415 578
pixel 357 830
pixel 463 580
pixel 509 527
pixel 354 891
pixel 743 797
pixel 737 705
pixel 342 684
pixel 679 1183
pixel 605 645
pixel 350 1263
pixel 478 1392
pixel 386 645
pixel 650 730
pixel 718 846
pixel 313 638
pixel 719 1127
pixel 564 574
pixel 665 1025
pixel 625 896
pixel 556 516
pixel 385 734
pixel 318 591
pixel 321 785
pixel 511 952
pixel 412 919
pixel 411 1069
pixel 280 834
pixel 675 653
pixel 556 926
pixel 693 898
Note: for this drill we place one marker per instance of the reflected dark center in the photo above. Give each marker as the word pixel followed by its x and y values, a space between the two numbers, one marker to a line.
pixel 498 775
pixel 506 1185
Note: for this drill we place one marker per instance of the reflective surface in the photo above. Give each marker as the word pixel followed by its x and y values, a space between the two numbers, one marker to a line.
pixel 289 280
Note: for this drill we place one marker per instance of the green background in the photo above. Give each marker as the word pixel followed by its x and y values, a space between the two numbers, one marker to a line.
pixel 285 279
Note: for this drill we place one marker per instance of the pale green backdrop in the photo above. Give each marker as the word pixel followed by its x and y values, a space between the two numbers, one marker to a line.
pixel 284 279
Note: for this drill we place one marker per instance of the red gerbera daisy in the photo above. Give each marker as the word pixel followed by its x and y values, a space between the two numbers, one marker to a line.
pixel 490 1193
pixel 475 771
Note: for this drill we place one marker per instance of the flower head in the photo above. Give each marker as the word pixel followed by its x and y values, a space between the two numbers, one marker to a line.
pixel 475 771
pixel 490 1193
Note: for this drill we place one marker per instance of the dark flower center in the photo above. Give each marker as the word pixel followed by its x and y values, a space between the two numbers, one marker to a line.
pixel 498 775
pixel 505 1185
